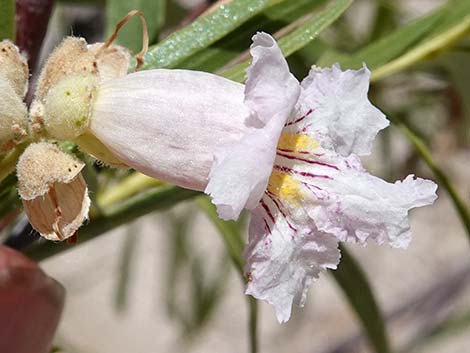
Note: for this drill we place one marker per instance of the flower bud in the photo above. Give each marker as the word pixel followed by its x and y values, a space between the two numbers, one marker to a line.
pixel 74 57
pixel 112 61
pixel 14 67
pixel 53 191
pixel 66 91
pixel 13 117
pixel 71 57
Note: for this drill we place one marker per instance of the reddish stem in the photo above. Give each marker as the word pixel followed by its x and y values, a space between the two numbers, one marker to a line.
pixel 32 18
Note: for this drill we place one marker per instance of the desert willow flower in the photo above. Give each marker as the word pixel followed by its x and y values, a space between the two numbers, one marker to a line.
pixel 286 151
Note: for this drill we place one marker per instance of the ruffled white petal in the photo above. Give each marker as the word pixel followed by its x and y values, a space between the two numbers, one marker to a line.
pixel 354 205
pixel 270 88
pixel 282 260
pixel 241 169
pixel 168 123
pixel 363 207
pixel 339 114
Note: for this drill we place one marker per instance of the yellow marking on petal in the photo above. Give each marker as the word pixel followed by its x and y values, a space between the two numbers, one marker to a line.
pixel 297 143
pixel 285 187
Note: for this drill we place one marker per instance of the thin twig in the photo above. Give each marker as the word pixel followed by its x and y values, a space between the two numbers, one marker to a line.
pixel 32 19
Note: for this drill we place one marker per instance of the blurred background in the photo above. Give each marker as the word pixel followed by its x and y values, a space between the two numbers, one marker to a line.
pixel 165 283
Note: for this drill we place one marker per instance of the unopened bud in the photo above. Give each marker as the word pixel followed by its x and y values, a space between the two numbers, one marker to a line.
pixel 53 191
pixel 14 67
pixel 113 61
pixel 71 57
pixel 74 57
pixel 13 117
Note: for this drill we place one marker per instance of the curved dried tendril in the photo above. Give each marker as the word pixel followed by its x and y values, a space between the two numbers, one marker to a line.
pixel 145 37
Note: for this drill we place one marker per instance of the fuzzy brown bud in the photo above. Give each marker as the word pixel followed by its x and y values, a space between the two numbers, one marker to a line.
pixel 14 67
pixel 53 191
pixel 13 117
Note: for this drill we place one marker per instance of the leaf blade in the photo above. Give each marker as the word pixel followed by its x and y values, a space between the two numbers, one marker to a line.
pixel 8 24
pixel 206 30
pixel 351 279
pixel 235 43
pixel 299 37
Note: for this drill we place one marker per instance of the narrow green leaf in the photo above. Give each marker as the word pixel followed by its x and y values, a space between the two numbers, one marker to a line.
pixel 389 47
pixel 422 51
pixel 409 44
pixel 8 162
pixel 357 290
pixel 7 19
pixel 229 231
pixel 455 12
pixel 457 324
pixel 235 43
pixel 9 200
pixel 425 154
pixel 206 30
pixel 126 262
pixel 130 36
pixel 231 235
pixel 308 29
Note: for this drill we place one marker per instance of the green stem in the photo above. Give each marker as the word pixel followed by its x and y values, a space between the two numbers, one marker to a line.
pixel 229 231
pixel 8 163
pixel 129 186
pixel 253 324
pixel 442 178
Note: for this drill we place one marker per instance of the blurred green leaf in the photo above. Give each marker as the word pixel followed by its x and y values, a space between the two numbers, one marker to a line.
pixel 178 257
pixel 455 12
pixel 125 267
pixel 204 31
pixel 456 66
pixel 9 200
pixel 234 244
pixel 424 50
pixel 385 20
pixel 454 325
pixel 306 30
pixel 235 43
pixel 131 35
pixel 229 230
pixel 444 181
pixel 202 290
pixel 411 43
pixel 7 20
pixel 357 290
pixel 385 49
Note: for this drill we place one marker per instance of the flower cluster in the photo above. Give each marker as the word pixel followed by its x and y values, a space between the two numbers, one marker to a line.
pixel 284 150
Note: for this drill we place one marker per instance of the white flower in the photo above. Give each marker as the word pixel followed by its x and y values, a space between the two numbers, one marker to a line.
pixel 284 150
